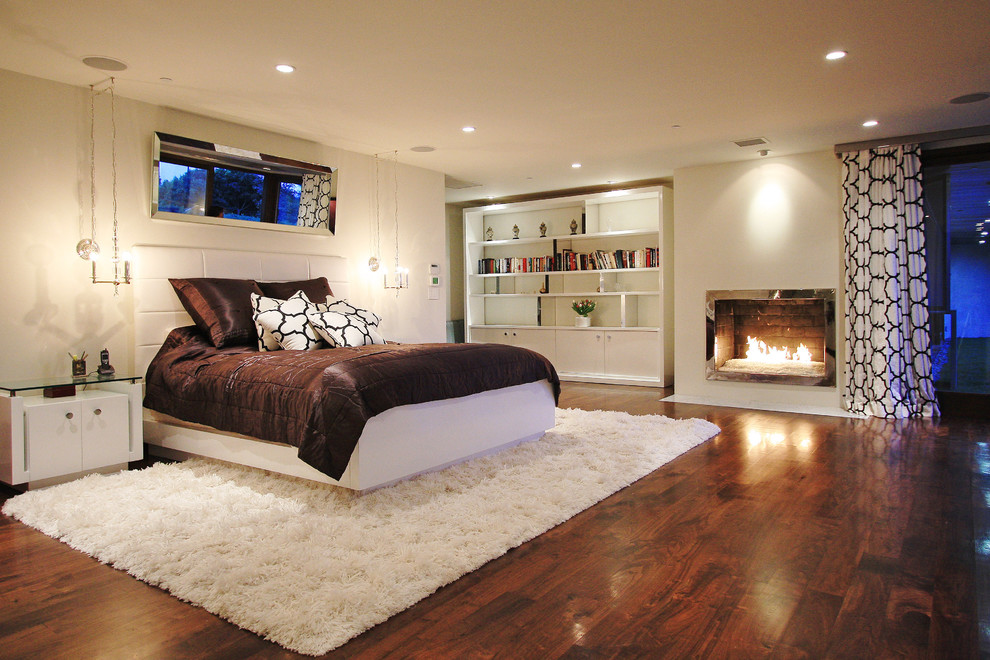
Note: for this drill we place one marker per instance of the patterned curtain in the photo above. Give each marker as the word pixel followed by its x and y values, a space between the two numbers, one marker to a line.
pixel 888 369
pixel 316 201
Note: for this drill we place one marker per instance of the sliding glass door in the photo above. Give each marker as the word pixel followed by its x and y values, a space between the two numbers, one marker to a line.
pixel 957 205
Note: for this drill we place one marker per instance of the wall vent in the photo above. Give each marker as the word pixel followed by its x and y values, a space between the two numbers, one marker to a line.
pixel 751 142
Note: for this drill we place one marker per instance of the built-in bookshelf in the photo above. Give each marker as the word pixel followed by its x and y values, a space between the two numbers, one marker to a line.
pixel 527 262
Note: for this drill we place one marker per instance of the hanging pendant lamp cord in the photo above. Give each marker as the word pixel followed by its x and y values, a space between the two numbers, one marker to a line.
pixel 92 163
pixel 376 239
pixel 395 204
pixel 113 168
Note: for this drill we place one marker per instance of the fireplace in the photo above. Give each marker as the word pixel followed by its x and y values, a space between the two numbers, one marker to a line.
pixel 784 336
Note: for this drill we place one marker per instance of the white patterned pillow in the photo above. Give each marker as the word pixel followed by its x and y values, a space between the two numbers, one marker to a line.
pixel 261 304
pixel 344 307
pixel 342 324
pixel 286 322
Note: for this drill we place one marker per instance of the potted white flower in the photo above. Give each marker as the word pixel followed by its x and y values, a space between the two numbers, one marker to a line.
pixel 583 308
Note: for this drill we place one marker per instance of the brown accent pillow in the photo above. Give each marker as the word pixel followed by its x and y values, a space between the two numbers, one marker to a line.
pixel 220 307
pixel 316 289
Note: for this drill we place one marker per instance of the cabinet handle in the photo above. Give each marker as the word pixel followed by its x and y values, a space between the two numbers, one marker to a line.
pixel 68 415
pixel 98 411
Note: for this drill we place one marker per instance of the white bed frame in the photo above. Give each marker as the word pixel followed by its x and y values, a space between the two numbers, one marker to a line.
pixel 396 444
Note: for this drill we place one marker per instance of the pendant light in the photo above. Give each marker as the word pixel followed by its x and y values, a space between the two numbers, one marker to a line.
pixel 399 278
pixel 87 248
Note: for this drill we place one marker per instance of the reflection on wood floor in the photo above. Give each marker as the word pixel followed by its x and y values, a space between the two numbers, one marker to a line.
pixel 787 535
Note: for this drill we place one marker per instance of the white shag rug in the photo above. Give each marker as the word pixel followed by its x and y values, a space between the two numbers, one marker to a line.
pixel 310 566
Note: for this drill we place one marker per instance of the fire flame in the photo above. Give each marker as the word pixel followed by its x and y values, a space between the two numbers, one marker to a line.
pixel 758 350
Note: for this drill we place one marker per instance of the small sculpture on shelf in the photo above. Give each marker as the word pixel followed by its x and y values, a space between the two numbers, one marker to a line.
pixel 543 289
pixel 573 226
pixel 543 230
pixel 489 233
pixel 515 231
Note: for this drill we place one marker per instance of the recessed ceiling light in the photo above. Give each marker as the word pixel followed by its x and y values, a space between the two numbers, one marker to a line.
pixel 836 55
pixel 970 98
pixel 284 68
pixel 104 63
pixel 575 165
pixel 870 123
pixel 468 129
pixel 423 149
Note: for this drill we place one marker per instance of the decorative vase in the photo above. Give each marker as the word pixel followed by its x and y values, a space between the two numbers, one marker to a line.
pixel 582 321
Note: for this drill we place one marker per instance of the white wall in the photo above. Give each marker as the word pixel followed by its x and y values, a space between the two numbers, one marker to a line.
pixel 49 306
pixel 760 224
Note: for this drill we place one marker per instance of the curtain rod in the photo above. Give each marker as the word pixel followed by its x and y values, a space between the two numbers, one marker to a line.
pixel 937 136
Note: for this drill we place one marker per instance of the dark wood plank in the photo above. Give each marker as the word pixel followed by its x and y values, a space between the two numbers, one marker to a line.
pixel 787 536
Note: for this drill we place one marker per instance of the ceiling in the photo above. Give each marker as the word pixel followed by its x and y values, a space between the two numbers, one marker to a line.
pixel 630 89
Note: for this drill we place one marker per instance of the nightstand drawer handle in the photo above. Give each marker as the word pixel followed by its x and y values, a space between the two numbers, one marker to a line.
pixel 98 411
pixel 68 415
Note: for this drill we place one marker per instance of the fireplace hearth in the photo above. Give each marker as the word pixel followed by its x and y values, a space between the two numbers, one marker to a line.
pixel 784 336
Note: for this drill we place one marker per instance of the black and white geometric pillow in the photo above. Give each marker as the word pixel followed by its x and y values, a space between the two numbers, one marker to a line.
pixel 345 307
pixel 342 328
pixel 286 321
pixel 260 304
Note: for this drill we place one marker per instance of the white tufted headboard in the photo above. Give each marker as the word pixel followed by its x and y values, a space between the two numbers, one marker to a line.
pixel 157 309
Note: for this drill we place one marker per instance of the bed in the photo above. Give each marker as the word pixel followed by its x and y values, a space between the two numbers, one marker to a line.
pixel 393 444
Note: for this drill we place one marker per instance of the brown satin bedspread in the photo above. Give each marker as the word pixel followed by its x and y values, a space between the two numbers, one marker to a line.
pixel 320 400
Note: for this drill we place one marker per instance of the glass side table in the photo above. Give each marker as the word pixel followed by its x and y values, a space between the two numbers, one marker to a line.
pixel 15 387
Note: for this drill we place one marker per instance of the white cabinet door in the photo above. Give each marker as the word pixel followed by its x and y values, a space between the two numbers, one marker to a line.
pixel 82 432
pixel 634 353
pixel 539 341
pixel 580 352
pixel 53 435
pixel 535 339
pixel 105 431
pixel 490 336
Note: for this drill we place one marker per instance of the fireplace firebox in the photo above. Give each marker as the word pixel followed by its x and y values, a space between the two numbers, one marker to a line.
pixel 784 336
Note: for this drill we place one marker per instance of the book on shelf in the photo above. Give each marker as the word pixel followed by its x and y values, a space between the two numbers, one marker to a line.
pixel 567 260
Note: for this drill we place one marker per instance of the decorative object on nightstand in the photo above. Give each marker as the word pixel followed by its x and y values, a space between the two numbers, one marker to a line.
pixel 583 308
pixel 543 230
pixel 489 233
pixel 105 368
pixel 515 231
pixel 573 227
pixel 78 364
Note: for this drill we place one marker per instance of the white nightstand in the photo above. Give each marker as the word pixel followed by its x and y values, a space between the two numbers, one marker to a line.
pixel 48 439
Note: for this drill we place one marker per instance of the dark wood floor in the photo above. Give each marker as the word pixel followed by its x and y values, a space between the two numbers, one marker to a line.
pixel 787 535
